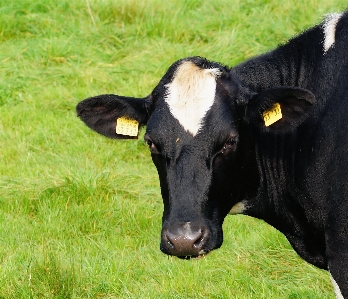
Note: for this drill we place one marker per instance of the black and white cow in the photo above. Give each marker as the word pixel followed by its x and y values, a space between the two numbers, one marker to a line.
pixel 217 152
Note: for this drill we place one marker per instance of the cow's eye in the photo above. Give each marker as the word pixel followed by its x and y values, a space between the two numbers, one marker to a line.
pixel 153 148
pixel 231 143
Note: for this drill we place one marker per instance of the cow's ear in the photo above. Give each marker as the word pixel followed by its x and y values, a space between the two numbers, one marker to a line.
pixel 102 113
pixel 280 109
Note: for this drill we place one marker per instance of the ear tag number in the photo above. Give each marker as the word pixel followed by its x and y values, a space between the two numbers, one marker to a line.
pixel 272 115
pixel 126 126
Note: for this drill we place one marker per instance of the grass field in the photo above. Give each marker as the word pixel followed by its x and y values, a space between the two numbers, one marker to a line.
pixel 80 215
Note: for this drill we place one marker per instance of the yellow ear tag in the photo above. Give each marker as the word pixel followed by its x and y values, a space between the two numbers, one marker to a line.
pixel 272 115
pixel 127 126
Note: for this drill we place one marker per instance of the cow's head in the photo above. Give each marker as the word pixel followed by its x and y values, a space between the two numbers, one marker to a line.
pixel 201 125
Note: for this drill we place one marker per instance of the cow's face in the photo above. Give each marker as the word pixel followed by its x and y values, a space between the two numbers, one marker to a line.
pixel 193 137
pixel 201 126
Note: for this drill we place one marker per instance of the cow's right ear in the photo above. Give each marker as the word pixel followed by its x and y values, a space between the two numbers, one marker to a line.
pixel 279 109
pixel 101 113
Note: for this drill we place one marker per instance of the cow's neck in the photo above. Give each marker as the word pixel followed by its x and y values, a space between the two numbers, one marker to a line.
pixel 280 194
pixel 288 65
pixel 282 197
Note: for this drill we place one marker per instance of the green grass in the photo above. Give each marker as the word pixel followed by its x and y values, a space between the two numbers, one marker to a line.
pixel 80 215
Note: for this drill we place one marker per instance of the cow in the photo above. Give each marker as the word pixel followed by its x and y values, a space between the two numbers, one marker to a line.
pixel 266 138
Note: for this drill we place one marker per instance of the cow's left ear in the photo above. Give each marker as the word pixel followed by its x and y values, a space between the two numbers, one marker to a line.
pixel 280 109
pixel 114 116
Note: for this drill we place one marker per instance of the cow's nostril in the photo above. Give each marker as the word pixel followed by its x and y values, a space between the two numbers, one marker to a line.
pixel 169 243
pixel 199 241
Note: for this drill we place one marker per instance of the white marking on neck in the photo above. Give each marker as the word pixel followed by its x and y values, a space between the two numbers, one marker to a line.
pixel 329 28
pixel 191 94
pixel 238 208
pixel 336 288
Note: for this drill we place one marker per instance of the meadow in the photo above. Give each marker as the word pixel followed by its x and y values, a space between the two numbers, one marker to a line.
pixel 80 215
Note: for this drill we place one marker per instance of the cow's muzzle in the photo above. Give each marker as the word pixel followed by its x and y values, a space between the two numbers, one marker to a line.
pixel 185 240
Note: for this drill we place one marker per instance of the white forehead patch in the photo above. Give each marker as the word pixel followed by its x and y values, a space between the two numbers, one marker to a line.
pixel 191 94
pixel 329 28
